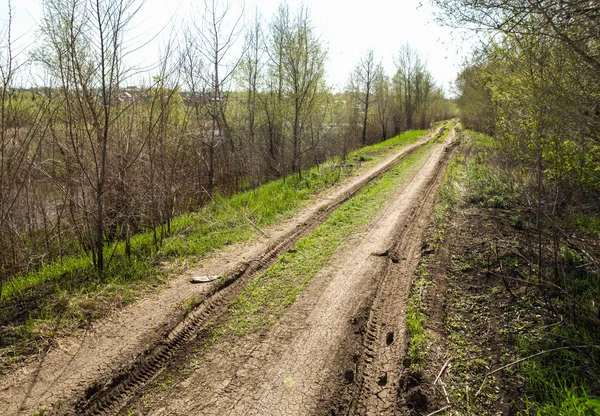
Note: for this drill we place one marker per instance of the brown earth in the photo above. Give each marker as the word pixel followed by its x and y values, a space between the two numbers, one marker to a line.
pixel 473 318
pixel 65 372
pixel 472 322
pixel 337 349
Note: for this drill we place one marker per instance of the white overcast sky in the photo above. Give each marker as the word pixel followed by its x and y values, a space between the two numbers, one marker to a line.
pixel 347 27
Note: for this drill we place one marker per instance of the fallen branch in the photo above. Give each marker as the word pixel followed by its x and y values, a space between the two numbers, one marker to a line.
pixel 527 358
pixel 440 410
pixel 445 393
pixel 257 227
pixel 441 371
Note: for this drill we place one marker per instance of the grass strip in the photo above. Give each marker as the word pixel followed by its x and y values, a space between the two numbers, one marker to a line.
pixel 266 298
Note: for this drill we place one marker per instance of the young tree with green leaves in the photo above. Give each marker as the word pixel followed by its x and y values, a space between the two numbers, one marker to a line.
pixel 301 67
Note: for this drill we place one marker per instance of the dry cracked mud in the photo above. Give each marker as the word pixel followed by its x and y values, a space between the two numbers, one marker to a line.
pixel 318 321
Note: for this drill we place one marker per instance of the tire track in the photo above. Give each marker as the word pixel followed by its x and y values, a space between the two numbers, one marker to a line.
pixel 109 396
pixel 384 342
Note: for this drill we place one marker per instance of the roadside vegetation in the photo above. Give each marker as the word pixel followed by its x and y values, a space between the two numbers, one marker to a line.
pixel 523 318
pixel 69 294
pixel 448 199
pixel 113 177
pixel 486 333
pixel 90 157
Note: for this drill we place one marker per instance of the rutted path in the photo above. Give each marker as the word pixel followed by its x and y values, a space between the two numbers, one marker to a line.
pixel 306 361
pixel 65 372
pixel 385 341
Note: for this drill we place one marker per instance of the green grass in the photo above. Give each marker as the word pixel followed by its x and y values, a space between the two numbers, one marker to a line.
pixel 415 320
pixel 487 186
pixel 447 129
pixel 561 381
pixel 574 401
pixel 448 198
pixel 68 294
pixel 586 222
pixel 265 299
pixel 389 145
pixel 567 381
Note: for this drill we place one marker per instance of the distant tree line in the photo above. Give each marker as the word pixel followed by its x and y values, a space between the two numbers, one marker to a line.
pixel 233 103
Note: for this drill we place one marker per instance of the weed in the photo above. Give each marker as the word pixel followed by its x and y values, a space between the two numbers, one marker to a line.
pixel 415 321
pixel 191 303
pixel 195 364
pixel 164 381
pixel 516 222
pixel 496 202
pixel 571 257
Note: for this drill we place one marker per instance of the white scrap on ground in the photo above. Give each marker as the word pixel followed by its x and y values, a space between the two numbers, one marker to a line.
pixel 203 279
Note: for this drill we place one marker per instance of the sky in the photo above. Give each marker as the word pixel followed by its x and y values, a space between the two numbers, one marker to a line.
pixel 348 28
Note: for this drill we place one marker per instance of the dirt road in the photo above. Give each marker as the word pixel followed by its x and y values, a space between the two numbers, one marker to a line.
pixel 79 364
pixel 316 360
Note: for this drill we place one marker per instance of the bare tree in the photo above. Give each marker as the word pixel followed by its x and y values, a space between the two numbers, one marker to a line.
pixel 83 52
pixel 413 84
pixel 572 22
pixel 272 101
pixel 250 77
pixel 383 103
pixel 408 63
pixel 362 85
pixel 217 34
pixel 196 86
pixel 23 123
pixel 166 127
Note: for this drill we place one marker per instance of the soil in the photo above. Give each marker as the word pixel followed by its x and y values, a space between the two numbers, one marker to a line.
pixel 301 350
pixel 473 319
pixel 471 328
pixel 313 360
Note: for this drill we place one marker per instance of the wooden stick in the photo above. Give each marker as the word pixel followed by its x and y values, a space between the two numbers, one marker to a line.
pixel 445 393
pixel 257 227
pixel 527 358
pixel 440 410
pixel 441 371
